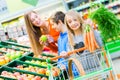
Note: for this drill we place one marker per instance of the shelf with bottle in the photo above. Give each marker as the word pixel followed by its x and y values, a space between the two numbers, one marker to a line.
pixel 113 7
pixel 87 5
pixel 117 11
pixel 112 4
pixel 14 27
pixel 80 5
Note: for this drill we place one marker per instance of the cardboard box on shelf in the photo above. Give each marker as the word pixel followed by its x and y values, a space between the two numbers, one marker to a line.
pixel 2 32
pixel 24 30
pixel 2 35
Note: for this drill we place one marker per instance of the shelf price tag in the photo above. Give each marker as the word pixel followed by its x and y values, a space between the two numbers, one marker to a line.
pixel 3 7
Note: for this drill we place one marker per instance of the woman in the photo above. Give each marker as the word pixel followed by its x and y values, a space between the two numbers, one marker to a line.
pixel 37 27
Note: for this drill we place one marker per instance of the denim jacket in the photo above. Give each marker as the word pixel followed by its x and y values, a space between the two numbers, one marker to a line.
pixel 63 46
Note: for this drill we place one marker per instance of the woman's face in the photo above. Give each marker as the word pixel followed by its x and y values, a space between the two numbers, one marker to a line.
pixel 35 19
pixel 73 22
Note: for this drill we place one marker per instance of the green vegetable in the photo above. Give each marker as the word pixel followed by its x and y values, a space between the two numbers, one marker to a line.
pixel 108 23
pixel 87 28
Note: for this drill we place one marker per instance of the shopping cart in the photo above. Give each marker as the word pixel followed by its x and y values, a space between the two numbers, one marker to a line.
pixel 91 66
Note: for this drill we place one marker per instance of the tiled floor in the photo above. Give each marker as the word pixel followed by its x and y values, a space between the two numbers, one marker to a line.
pixel 116 65
pixel 116 61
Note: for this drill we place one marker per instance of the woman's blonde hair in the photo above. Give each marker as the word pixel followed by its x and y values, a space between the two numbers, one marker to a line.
pixel 34 33
pixel 70 31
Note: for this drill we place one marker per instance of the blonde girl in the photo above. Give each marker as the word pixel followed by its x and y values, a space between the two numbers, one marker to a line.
pixel 76 26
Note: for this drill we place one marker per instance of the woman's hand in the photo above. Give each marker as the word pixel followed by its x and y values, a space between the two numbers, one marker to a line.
pixel 64 54
pixel 42 42
pixel 50 39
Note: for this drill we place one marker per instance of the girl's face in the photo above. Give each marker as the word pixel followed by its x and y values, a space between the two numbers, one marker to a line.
pixel 56 26
pixel 73 22
pixel 35 19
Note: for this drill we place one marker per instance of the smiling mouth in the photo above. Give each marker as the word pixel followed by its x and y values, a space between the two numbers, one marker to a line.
pixel 74 26
pixel 39 23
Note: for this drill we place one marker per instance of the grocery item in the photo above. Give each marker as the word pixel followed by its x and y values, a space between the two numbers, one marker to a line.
pixel 107 22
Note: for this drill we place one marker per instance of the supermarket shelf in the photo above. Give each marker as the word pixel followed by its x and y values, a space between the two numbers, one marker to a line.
pixel 116 11
pixel 87 5
pixel 115 3
pixel 69 1
pixel 16 44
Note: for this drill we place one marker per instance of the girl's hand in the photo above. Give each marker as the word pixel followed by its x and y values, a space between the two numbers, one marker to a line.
pixel 62 67
pixel 89 21
pixel 64 54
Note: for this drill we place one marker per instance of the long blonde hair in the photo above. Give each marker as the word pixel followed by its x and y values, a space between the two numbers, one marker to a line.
pixel 70 31
pixel 34 33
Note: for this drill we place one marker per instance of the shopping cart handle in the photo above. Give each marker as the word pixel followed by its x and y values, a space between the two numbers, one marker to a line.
pixel 69 53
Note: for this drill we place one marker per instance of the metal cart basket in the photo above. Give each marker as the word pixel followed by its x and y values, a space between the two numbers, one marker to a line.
pixel 90 66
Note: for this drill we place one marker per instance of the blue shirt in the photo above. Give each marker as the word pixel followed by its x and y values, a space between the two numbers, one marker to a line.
pixel 63 46
pixel 62 43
